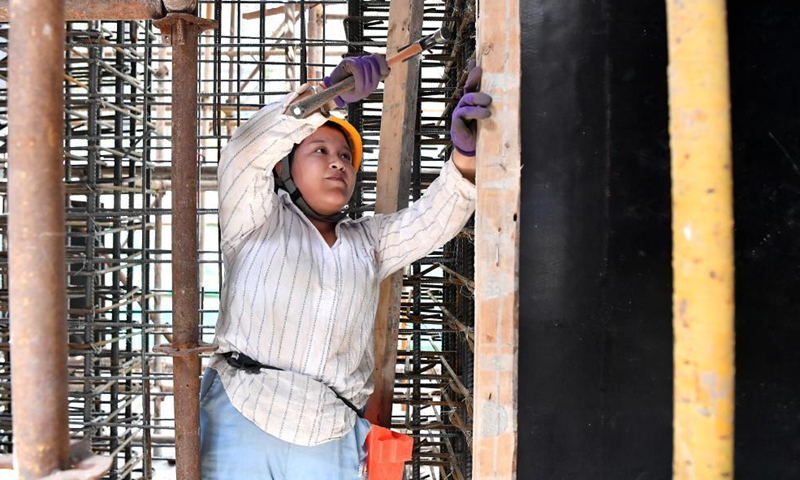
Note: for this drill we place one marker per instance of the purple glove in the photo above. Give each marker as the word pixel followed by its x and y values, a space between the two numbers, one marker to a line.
pixel 473 106
pixel 368 71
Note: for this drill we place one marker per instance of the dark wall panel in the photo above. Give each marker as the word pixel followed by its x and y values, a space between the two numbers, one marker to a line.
pixel 765 84
pixel 595 335
pixel 595 385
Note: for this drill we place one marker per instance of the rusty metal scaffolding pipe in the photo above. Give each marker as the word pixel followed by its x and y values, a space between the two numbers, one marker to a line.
pixel 182 30
pixel 36 239
pixel 184 6
pixel 184 253
pixel 103 10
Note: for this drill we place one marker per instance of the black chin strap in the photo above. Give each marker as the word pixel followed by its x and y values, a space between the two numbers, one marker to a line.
pixel 285 181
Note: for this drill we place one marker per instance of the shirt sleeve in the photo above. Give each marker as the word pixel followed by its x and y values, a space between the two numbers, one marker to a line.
pixel 246 185
pixel 427 224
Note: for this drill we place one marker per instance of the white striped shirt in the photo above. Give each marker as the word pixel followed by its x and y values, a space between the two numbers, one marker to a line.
pixel 291 301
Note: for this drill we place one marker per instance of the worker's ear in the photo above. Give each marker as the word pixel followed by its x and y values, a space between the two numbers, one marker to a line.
pixel 279 168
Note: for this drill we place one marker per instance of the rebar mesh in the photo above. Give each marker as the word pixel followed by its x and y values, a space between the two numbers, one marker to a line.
pixel 107 131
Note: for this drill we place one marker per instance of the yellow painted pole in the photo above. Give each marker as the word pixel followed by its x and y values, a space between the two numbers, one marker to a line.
pixel 702 231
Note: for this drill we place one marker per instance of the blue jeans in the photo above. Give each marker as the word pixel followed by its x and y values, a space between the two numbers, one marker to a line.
pixel 232 447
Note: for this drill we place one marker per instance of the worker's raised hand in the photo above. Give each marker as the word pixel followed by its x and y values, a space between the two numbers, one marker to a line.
pixel 367 70
pixel 473 106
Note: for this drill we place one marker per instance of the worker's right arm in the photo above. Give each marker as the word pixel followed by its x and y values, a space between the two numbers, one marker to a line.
pixel 246 184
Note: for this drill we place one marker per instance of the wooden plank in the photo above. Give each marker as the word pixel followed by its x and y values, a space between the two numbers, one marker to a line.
pixel 394 173
pixel 494 448
pixel 314 27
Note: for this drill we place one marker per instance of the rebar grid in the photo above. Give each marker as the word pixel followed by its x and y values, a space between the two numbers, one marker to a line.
pixel 118 174
pixel 106 134
pixel 433 390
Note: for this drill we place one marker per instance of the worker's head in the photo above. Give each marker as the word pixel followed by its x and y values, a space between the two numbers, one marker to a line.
pixel 323 169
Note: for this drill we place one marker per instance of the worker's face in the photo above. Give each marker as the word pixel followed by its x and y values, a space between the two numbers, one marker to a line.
pixel 323 170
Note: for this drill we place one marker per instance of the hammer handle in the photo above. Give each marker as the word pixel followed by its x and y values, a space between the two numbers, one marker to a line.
pixel 312 103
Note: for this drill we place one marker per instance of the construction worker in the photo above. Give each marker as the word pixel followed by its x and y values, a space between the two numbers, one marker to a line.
pixel 283 397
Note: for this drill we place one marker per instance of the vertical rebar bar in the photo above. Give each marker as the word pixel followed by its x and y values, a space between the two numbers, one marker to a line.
pixel 116 239
pixel 92 201
pixel 262 54
pixel 416 309
pixel 354 110
pixel 130 173
pixel 36 243
pixel 303 46
pixel 416 389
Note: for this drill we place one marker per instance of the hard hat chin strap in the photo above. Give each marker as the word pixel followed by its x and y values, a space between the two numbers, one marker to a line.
pixel 285 181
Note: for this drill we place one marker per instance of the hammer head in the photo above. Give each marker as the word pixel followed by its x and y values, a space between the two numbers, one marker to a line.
pixel 443 35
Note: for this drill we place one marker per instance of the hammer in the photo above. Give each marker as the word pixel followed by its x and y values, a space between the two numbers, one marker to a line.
pixel 308 105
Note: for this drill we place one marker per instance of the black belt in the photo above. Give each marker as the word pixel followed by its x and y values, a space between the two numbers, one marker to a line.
pixel 241 361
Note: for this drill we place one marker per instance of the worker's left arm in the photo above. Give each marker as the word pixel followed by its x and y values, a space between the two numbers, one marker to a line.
pixel 409 234
pixel 447 205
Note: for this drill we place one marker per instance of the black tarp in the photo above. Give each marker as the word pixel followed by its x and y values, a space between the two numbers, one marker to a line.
pixel 595 381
